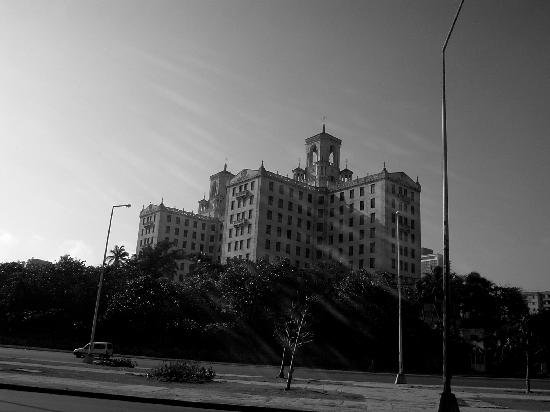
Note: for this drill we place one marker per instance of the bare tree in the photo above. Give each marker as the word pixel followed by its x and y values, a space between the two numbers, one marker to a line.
pixel 293 332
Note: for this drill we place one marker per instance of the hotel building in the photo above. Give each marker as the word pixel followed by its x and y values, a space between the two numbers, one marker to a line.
pixel 321 213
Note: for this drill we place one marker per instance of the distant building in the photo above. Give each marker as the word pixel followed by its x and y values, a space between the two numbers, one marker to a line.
pixel 37 262
pixel 429 260
pixel 537 301
pixel 322 213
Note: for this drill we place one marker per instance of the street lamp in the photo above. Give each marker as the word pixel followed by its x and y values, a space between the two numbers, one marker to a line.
pixel 88 358
pixel 400 378
pixel 447 401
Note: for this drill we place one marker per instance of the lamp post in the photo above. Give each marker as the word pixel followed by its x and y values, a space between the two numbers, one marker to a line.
pixel 88 358
pixel 400 378
pixel 447 401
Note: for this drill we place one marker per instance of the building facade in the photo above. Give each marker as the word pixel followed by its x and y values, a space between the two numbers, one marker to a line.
pixel 537 301
pixel 429 261
pixel 322 213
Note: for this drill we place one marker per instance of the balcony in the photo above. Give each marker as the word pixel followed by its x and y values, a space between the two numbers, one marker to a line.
pixel 240 222
pixel 150 223
pixel 243 194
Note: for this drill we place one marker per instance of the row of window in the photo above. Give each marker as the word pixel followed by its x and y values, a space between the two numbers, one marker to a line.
pixel 403 220
pixel 240 216
pixel 320 212
pixel 238 245
pixel 403 235
pixel 193 234
pixel 242 188
pixel 239 231
pixel 186 223
pixel 242 202
pixel 403 266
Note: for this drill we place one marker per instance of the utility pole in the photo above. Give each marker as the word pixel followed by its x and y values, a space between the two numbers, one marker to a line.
pixel 447 402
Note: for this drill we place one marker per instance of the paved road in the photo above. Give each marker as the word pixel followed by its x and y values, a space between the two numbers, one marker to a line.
pixel 300 373
pixel 19 401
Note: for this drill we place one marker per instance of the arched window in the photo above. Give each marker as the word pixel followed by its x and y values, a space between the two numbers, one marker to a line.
pixel 331 158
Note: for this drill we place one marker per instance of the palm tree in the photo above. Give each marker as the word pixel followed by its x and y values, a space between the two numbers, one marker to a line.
pixel 118 255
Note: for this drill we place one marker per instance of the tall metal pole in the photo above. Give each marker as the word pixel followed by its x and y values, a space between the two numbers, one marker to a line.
pixel 88 358
pixel 447 401
pixel 400 378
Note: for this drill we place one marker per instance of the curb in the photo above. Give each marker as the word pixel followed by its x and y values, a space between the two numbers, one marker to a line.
pixel 138 399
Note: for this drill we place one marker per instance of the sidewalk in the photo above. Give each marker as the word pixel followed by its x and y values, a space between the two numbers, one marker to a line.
pixel 239 392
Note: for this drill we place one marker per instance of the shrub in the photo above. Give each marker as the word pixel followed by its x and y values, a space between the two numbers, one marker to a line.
pixel 118 362
pixel 182 371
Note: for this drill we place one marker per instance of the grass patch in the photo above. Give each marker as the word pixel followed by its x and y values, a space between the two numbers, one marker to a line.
pixel 182 371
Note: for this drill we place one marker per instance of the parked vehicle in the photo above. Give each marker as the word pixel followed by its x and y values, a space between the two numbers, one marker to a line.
pixel 99 349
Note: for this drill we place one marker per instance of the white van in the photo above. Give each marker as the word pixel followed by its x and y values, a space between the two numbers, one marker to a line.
pixel 99 349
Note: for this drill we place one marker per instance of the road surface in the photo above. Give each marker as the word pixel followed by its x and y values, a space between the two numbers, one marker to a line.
pixel 20 401
pixel 267 371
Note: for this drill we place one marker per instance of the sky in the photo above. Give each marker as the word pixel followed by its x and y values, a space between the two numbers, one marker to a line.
pixel 105 102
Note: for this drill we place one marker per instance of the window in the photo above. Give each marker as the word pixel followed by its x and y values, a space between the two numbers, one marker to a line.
pixel 372 188
pixel 277 246
pixel 412 237
pixel 186 222
pixel 268 244
pixel 169 218
pixel 290 206
pixel 372 232
pixel 297 250
pixel 291 193
pixel 287 249
pixel 300 195
pixel 177 231
pixel 192 245
pixel 239 203
pixel 393 248
pixel 361 219
pixel 280 203
pixel 331 198
pixel 319 226
pixel 340 237
pixel 251 199
pixel 289 234
pixel 412 223
pixel 393 217
pixel 270 187
pixel 351 207
pixel 351 193
pixel 279 218
pixel 361 264
pixel 268 229
pixel 350 236
pixel 299 209
pixel 177 220
pixel 362 191
pixel 202 237
pixel 372 203
pixel 341 196
pixel 307 253
pixel 248 243
pixel 361 249
pixel 240 244
pixel 308 225
pixel 299 222
pixel 412 210
pixel 371 263
pixel 250 214
pixel 350 222
pixel 350 251
pixel 252 185
pixel 393 232
pixel 184 244
pixel 321 200
pixel 412 253
pixel 167 229
pixel 289 220
pixel 372 217
pixel 249 228
pixel 341 210
pixel 393 263
pixel 279 231
pixel 413 267
pixel 298 236
pixel 371 247
pixel 361 234
pixel 281 189
pixel 195 224
pixel 309 197
pixel 269 215
pixel 361 205
pixel 309 210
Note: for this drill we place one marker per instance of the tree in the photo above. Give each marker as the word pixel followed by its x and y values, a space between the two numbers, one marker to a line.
pixel 293 332
pixel 158 261
pixel 118 256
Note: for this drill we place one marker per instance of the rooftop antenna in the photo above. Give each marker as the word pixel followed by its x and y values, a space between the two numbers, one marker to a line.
pixel 324 121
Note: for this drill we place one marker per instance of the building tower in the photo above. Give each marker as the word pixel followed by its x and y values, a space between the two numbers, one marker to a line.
pixel 323 159
pixel 215 205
